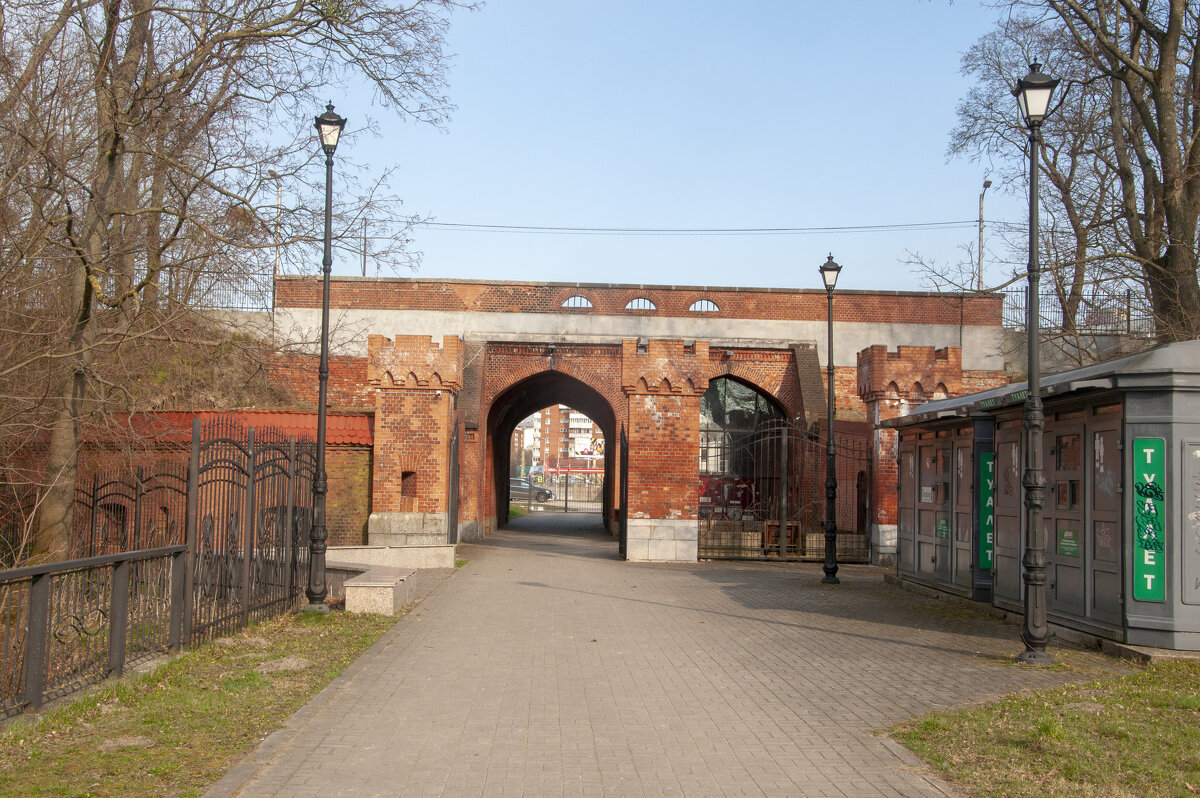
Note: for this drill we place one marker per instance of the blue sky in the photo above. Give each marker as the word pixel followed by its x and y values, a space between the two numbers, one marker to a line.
pixel 671 114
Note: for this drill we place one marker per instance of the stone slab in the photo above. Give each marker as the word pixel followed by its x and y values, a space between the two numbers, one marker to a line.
pixel 381 589
pixel 411 557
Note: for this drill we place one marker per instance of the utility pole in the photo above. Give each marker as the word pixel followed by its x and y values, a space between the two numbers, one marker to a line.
pixel 979 274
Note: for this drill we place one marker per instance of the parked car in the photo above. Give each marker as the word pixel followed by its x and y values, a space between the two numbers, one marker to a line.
pixel 523 490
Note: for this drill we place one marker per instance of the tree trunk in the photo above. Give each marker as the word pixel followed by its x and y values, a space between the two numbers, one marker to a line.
pixel 52 540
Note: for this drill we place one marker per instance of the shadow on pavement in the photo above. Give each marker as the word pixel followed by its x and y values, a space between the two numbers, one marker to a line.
pixel 558 534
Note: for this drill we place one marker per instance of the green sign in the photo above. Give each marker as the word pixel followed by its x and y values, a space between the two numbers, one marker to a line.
pixel 1149 542
pixel 1068 542
pixel 985 490
pixel 943 527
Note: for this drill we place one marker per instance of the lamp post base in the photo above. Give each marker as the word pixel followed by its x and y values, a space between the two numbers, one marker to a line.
pixel 317 609
pixel 831 580
pixel 1032 656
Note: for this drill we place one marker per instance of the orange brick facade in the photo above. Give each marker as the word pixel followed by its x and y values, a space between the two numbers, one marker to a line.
pixel 424 390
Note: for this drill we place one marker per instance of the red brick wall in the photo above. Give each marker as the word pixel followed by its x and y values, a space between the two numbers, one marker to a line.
pixel 348 387
pixel 412 433
pixel 742 303
pixel 348 465
pixel 415 383
pixel 505 365
pixel 664 381
pixel 664 436
pixel 348 501
pixel 981 380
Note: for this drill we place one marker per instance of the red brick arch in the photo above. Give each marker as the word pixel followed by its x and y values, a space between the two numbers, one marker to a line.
pixel 598 367
pixel 525 395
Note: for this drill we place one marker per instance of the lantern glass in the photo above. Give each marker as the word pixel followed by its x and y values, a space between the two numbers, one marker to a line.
pixel 329 127
pixel 829 273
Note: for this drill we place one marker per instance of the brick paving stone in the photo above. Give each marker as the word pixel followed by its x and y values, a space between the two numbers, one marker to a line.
pixel 546 666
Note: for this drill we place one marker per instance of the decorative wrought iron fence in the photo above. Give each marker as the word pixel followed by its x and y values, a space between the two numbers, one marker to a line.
pixel 69 624
pixel 774 478
pixel 246 510
pixel 115 514
pixel 249 515
pixel 1126 313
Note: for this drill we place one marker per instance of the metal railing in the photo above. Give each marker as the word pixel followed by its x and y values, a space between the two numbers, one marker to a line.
pixel 68 624
pixel 1121 313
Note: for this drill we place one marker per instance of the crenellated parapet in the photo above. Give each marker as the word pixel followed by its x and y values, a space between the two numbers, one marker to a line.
pixel 415 362
pixel 664 368
pixel 910 374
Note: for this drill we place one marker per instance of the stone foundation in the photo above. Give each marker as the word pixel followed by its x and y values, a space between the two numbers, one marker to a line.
pixel 661 540
pixel 406 529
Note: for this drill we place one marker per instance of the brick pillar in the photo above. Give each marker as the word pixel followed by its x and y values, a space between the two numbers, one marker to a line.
pixel 415 382
pixel 891 384
pixel 664 381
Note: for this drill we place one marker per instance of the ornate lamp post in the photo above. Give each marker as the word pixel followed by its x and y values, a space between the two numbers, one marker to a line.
pixel 829 273
pixel 1033 97
pixel 329 127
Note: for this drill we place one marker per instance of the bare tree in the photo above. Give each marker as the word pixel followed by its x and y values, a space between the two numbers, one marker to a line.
pixel 1122 163
pixel 135 138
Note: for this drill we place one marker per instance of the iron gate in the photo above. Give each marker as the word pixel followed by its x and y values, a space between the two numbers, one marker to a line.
pixel 452 491
pixel 623 518
pixel 773 478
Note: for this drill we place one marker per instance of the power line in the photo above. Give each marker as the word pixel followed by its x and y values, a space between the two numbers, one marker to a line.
pixel 705 231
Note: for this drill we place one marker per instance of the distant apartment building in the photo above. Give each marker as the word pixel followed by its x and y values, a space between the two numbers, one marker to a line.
pixel 557 438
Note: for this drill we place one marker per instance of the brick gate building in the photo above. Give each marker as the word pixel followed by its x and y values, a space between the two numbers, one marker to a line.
pixel 450 367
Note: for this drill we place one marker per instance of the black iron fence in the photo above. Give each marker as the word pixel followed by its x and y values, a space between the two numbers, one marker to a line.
pixel 1124 312
pixel 178 556
pixel 758 482
pixel 560 491
pixel 69 624
pixel 114 513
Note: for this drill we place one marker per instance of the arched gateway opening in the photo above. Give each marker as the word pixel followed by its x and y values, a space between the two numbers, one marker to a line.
pixel 528 396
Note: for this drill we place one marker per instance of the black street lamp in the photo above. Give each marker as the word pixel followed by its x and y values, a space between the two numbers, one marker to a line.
pixel 829 273
pixel 1033 94
pixel 329 127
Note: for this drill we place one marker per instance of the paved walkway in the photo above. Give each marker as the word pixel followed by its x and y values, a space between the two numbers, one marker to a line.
pixel 547 667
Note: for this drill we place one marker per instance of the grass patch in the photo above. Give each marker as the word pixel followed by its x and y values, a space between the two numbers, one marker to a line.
pixel 176 730
pixel 515 512
pixel 1135 735
pixel 460 563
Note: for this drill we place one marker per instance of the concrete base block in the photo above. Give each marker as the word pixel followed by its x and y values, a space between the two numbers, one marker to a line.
pixel 468 531
pixel 410 557
pixel 406 529
pixel 380 590
pixel 661 540
pixel 884 545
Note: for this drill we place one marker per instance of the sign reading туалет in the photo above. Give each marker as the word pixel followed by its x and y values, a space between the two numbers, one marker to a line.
pixel 987 509
pixel 1149 555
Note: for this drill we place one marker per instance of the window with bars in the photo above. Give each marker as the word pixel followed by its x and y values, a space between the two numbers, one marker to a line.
pixel 641 303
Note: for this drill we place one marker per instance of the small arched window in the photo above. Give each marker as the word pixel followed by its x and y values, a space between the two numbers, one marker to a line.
pixel 704 306
pixel 577 301
pixel 641 303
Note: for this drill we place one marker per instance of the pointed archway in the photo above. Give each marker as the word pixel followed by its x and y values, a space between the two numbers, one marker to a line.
pixel 531 394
